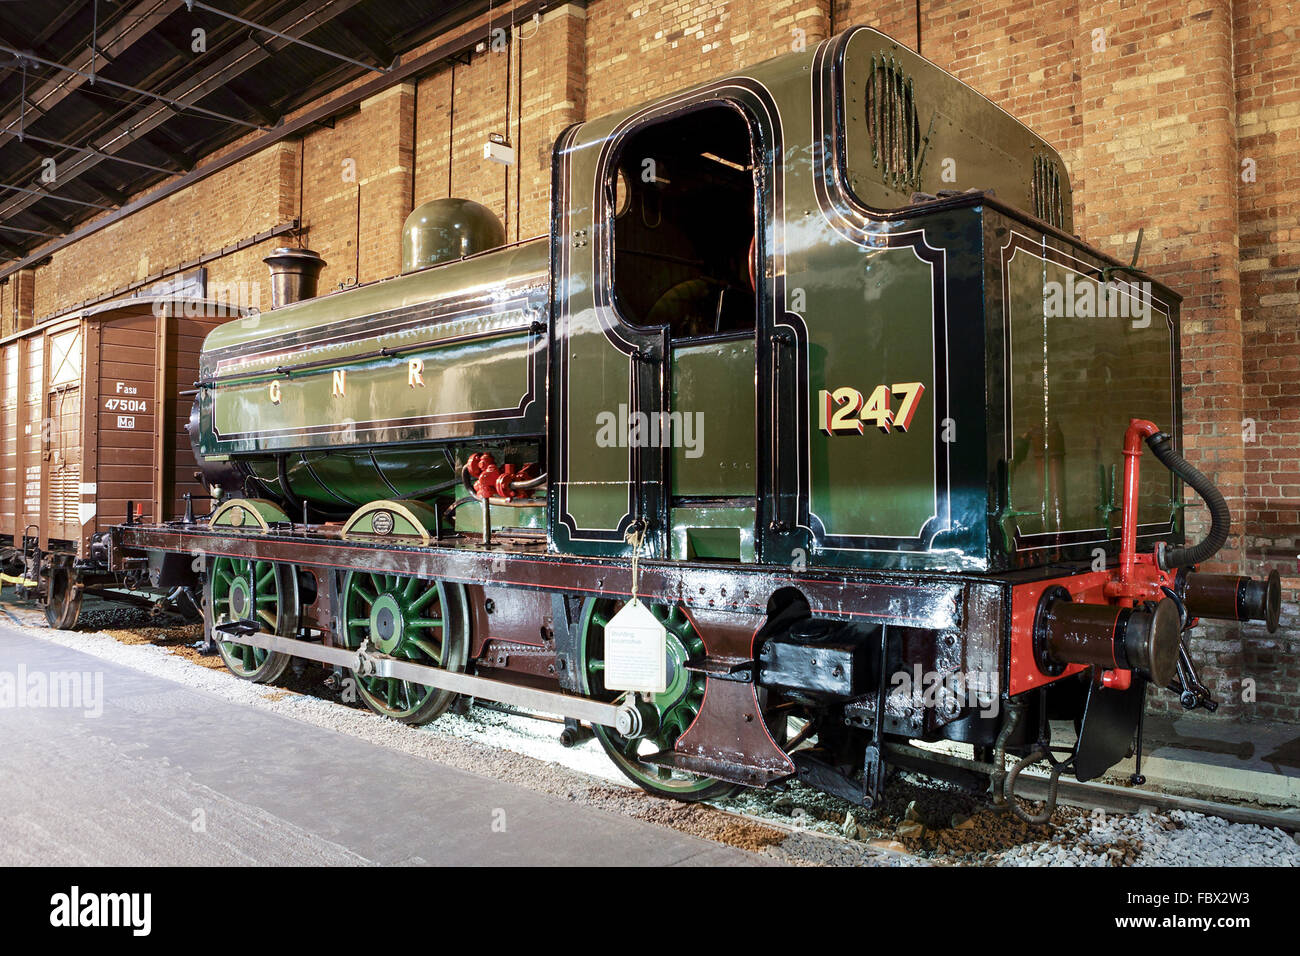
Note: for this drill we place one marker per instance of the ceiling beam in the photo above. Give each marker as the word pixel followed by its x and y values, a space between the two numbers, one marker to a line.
pixel 59 223
pixel 268 117
pixel 49 194
pixel 4 227
pixel 104 190
pixel 56 23
pixel 362 33
pixel 134 23
pixel 290 37
pixel 30 138
pixel 303 19
pixel 181 159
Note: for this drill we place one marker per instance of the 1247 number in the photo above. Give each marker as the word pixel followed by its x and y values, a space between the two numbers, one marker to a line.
pixel 842 411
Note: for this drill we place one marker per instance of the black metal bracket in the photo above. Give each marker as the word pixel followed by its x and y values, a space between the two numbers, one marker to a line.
pixel 565 611
pixel 834 780
pixel 869 791
pixel 723 668
pixel 873 759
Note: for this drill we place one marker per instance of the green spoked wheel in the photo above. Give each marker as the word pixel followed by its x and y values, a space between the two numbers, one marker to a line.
pixel 677 706
pixel 269 596
pixel 425 622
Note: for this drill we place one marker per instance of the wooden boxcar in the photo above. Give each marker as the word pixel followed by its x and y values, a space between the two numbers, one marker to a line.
pixel 93 434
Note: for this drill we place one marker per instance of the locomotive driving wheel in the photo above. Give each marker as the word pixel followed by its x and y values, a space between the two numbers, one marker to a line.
pixel 677 706
pixel 269 596
pixel 422 621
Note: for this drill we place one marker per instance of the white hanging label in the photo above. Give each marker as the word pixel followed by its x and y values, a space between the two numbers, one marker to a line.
pixel 636 651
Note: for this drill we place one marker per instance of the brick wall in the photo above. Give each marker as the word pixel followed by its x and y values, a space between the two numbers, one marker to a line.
pixel 240 201
pixel 356 182
pixel 1154 106
pixel 640 50
pixel 540 66
pixel 1266 49
pixel 17 301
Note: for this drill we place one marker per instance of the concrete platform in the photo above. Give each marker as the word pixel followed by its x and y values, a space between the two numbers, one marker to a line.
pixel 138 770
pixel 1216 758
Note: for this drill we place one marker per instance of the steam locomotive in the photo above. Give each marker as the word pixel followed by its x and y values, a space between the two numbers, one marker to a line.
pixel 806 445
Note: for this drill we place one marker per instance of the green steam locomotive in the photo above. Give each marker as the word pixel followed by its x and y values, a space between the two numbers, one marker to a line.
pixel 807 444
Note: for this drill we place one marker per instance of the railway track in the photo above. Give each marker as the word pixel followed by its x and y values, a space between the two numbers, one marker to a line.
pixel 1116 799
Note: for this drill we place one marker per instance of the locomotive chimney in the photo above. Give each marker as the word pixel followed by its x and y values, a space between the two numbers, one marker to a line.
pixel 293 275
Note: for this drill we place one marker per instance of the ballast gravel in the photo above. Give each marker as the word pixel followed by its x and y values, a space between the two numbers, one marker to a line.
pixel 920 823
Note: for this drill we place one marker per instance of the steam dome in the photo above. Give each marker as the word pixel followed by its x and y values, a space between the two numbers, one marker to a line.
pixel 445 229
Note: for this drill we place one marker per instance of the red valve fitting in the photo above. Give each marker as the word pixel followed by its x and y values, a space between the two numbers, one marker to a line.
pixel 494 481
pixel 485 487
pixel 503 481
pixel 477 462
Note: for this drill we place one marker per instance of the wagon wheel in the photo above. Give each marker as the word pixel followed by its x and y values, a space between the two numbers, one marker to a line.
pixel 677 706
pixel 421 621
pixel 63 600
pixel 272 602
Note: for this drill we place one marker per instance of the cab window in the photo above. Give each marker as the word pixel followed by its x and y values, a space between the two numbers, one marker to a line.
pixel 681 194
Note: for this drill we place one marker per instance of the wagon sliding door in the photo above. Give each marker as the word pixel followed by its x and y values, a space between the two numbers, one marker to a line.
pixel 26 364
pixel 61 436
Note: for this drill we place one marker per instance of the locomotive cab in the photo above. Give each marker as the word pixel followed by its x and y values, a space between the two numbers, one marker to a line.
pixel 660 306
pixel 680 201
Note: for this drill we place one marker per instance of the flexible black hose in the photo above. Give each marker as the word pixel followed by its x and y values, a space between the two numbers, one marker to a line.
pixel 1053 783
pixel 1220 517
pixel 1014 711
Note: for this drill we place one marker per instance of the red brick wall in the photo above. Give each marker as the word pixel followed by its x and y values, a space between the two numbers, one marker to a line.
pixel 356 186
pixel 551 72
pixel 17 301
pixel 1266 48
pixel 542 59
pixel 638 49
pixel 231 205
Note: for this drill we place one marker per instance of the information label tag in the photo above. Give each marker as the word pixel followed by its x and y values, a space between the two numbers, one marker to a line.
pixel 636 651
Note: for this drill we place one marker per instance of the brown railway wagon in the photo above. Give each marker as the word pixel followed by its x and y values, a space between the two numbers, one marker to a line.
pixel 93 425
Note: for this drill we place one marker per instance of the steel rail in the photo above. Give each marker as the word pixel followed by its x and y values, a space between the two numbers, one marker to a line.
pixel 1107 796
pixel 1104 796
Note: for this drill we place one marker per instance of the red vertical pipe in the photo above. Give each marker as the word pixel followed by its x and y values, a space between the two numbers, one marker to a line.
pixel 1139 429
